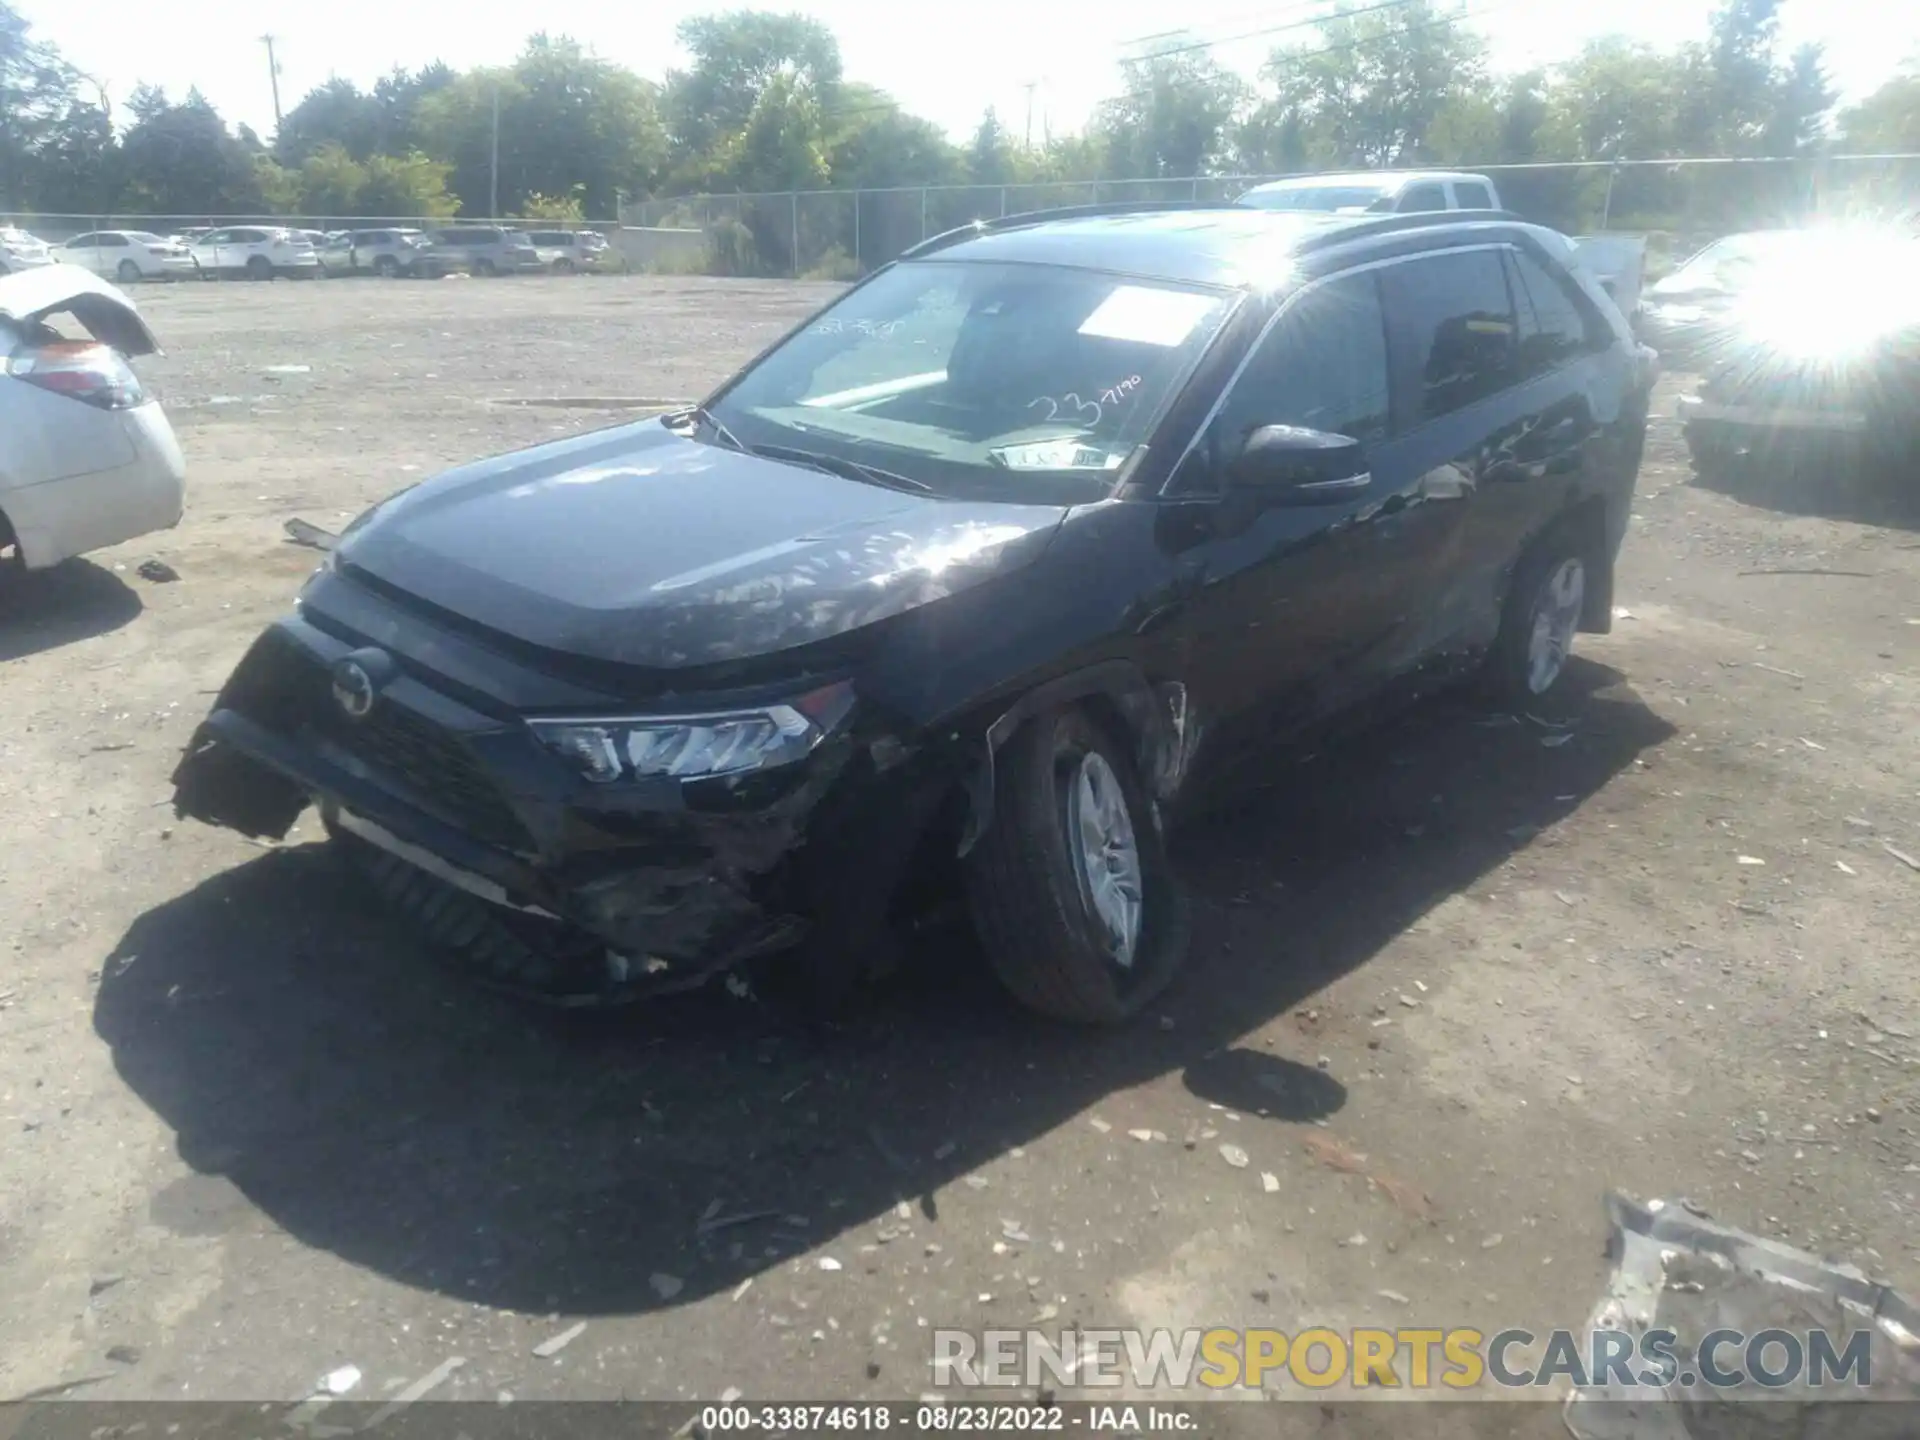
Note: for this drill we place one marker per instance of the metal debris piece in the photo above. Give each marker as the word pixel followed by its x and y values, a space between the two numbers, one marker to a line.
pixel 1902 856
pixel 1692 1277
pixel 305 532
pixel 342 1381
pixel 1097 1123
pixel 827 1262
pixel 1234 1156
pixel 549 1348
pixel 1269 1182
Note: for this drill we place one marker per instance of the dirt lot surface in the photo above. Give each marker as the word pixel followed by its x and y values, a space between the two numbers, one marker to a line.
pixel 1450 982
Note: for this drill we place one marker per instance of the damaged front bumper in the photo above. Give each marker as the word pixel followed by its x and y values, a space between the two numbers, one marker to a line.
pixel 678 878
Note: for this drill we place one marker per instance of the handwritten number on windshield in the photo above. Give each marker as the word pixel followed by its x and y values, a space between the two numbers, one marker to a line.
pixel 872 329
pixel 1068 407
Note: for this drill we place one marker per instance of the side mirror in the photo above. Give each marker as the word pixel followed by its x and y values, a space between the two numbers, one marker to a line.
pixel 1292 465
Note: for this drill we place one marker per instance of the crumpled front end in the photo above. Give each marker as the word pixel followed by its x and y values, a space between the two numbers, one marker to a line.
pixel 672 878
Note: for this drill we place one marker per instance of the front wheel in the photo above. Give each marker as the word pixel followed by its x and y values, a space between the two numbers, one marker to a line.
pixel 259 268
pixel 1543 612
pixel 386 267
pixel 128 273
pixel 1071 890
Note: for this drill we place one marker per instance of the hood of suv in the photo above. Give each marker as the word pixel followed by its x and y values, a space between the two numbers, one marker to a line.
pixel 637 546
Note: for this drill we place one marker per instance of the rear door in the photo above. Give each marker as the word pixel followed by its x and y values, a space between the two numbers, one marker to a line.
pixel 1468 422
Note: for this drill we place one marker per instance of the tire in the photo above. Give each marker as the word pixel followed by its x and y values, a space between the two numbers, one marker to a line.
pixel 1541 616
pixel 525 955
pixel 259 268
pixel 1030 891
pixel 128 273
pixel 386 267
pixel 484 268
pixel 563 266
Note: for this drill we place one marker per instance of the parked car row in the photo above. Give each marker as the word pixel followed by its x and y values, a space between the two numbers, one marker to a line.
pixel 264 252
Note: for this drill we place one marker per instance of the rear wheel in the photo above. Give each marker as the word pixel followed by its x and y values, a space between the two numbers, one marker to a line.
pixel 128 272
pixel 1072 893
pixel 259 268
pixel 484 267
pixel 563 266
pixel 1542 615
pixel 386 267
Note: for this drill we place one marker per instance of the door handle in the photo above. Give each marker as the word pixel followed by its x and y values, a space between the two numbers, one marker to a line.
pixel 1345 485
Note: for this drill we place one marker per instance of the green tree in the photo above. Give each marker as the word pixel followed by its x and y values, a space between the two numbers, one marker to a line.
pixel 990 153
pixel 873 142
pixel 183 161
pixel 1888 121
pixel 1803 97
pixel 330 182
pixel 567 119
pixel 335 115
pixel 1370 91
pixel 558 208
pixel 1618 99
pixel 737 56
pixel 36 95
pixel 405 187
pixel 1173 115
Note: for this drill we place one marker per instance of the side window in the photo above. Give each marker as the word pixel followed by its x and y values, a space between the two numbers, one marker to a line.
pixel 1453 329
pixel 216 237
pixel 1323 366
pixel 112 241
pixel 246 237
pixel 1417 198
pixel 82 242
pixel 1552 328
pixel 1472 195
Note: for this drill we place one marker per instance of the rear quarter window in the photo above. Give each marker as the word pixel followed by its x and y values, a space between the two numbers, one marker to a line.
pixel 1472 195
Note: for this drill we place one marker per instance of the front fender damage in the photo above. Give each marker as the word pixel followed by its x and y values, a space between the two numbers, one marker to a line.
pixel 1156 717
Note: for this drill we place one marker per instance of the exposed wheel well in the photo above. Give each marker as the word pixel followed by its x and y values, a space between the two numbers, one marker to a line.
pixel 1586 525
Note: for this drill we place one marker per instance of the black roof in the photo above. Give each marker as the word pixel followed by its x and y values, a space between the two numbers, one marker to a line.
pixel 1206 245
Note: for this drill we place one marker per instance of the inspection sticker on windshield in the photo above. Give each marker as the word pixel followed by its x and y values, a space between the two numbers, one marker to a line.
pixel 1147 317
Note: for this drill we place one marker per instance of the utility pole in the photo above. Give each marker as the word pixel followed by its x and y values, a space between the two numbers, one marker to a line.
pixel 493 180
pixel 273 75
pixel 1030 87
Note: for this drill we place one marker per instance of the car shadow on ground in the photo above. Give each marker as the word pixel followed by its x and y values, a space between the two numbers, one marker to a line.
pixel 45 609
pixel 1838 488
pixel 378 1108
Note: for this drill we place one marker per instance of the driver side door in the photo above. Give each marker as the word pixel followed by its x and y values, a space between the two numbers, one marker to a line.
pixel 1300 602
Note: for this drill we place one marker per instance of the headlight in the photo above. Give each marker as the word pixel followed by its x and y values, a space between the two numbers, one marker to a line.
pixel 697 747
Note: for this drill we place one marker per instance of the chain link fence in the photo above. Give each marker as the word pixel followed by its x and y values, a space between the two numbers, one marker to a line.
pixel 57 229
pixel 1678 204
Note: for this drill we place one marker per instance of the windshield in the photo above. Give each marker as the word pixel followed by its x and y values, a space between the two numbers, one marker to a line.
pixel 1316 197
pixel 1030 381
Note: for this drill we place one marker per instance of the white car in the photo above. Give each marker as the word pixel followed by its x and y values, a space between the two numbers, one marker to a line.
pixel 89 458
pixel 20 251
pixel 129 255
pixel 1386 192
pixel 257 252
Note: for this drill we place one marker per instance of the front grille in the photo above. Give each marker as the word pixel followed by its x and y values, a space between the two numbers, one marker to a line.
pixel 286 688
pixel 432 765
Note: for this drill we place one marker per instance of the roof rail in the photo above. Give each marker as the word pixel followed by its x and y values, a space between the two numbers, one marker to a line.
pixel 1372 225
pixel 1026 218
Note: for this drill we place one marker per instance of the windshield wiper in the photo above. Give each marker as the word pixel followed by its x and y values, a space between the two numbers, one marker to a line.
pixel 700 413
pixel 846 469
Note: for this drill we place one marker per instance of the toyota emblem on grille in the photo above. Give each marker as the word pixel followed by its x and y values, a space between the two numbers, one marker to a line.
pixel 353 688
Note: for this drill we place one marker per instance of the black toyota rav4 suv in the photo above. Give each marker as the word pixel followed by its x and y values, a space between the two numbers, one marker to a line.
pixel 1009 553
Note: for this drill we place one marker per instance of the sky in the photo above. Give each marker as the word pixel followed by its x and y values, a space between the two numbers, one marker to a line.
pixel 948 62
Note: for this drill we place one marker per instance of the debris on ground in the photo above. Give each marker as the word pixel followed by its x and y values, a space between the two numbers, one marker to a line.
pixel 303 532
pixel 342 1381
pixel 1902 856
pixel 1751 860
pixel 827 1262
pixel 1694 1277
pixel 549 1348
pixel 1234 1156
pixel 158 571
pixel 1269 1182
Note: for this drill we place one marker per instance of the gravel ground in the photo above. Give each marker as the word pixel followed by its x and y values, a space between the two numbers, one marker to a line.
pixel 1451 981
